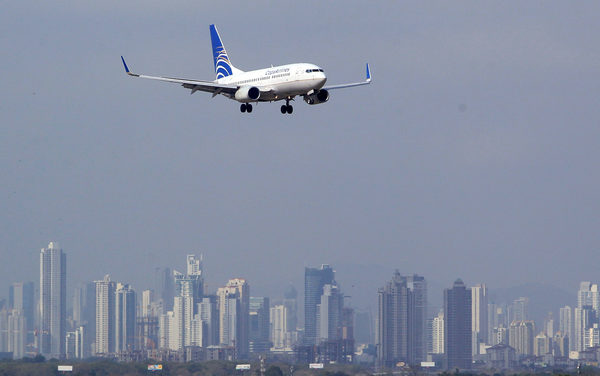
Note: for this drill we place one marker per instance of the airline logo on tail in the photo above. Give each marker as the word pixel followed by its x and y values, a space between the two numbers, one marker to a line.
pixel 223 67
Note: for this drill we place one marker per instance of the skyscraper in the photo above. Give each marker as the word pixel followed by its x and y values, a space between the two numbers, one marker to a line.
pixel 588 295
pixel 279 331
pixel 105 315
pixel 566 323
pixel 234 307
pixel 314 280
pixel 418 286
pixel 329 313
pixel 519 310
pixel 259 322
pixel 521 337
pixel 164 288
pixel 21 298
pixel 209 315
pixel 479 319
pixel 125 318
pixel 401 321
pixel 457 326
pixel 438 333
pixel 53 301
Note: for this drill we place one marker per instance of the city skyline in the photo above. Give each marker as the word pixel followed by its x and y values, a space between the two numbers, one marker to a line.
pixel 231 323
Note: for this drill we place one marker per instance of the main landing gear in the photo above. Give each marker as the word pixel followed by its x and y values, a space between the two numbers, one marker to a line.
pixel 287 108
pixel 246 107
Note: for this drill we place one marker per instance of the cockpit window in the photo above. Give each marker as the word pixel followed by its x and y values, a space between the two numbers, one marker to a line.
pixel 314 70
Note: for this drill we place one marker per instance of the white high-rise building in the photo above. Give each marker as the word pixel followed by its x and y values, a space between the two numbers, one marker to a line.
pixel 53 301
pixel 329 313
pixel 17 333
pixel 438 333
pixel 588 295
pixel 279 329
pixel 105 315
pixel 479 317
pixel 147 307
pixel 74 343
pixel 194 265
pixel 234 315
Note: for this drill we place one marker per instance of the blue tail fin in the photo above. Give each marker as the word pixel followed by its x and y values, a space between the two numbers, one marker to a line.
pixel 223 66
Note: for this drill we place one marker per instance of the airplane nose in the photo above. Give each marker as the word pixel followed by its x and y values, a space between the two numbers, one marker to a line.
pixel 321 80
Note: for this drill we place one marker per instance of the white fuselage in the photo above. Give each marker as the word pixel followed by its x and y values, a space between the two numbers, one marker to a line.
pixel 279 82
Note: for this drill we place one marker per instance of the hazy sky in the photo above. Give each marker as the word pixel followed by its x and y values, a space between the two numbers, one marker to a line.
pixel 473 154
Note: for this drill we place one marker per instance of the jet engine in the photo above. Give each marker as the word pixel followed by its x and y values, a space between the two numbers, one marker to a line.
pixel 247 94
pixel 320 96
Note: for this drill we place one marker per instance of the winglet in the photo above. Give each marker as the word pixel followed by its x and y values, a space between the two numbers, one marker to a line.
pixel 368 73
pixel 127 68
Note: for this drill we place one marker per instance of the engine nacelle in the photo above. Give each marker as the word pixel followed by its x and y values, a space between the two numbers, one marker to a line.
pixel 247 94
pixel 320 96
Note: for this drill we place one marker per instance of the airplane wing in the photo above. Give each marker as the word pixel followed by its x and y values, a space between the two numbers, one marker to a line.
pixel 365 82
pixel 194 85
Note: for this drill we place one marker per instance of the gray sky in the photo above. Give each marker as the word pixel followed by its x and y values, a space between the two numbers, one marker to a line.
pixel 473 154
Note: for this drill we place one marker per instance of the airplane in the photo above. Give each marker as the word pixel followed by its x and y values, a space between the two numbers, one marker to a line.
pixel 272 84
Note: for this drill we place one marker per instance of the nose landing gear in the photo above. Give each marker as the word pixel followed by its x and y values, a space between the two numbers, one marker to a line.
pixel 246 107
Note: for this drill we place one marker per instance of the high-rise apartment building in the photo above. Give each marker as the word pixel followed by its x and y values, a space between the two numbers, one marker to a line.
pixel 234 308
pixel 438 334
pixel 583 319
pixel 53 301
pixel 105 315
pixel 278 323
pixel 588 295
pixel 457 326
pixel 585 314
pixel 401 321
pixel 146 307
pixel 314 280
pixel 208 313
pixel 479 319
pixel 125 318
pixel 329 313
pixel 16 328
pixel 521 337
pixel 518 310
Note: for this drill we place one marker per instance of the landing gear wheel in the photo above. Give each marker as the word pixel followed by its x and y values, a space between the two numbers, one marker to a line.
pixel 243 107
pixel 283 109
pixel 289 109
pixel 249 108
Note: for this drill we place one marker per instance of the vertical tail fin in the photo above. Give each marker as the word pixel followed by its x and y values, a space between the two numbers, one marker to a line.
pixel 223 66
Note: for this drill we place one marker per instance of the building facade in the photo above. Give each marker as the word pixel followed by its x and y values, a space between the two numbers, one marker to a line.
pixel 314 280
pixel 402 319
pixel 457 326
pixel 53 301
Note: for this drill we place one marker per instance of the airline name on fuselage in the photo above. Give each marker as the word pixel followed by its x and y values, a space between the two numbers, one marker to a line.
pixel 275 71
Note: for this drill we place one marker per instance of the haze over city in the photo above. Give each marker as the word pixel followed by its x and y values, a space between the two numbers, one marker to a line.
pixel 473 153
